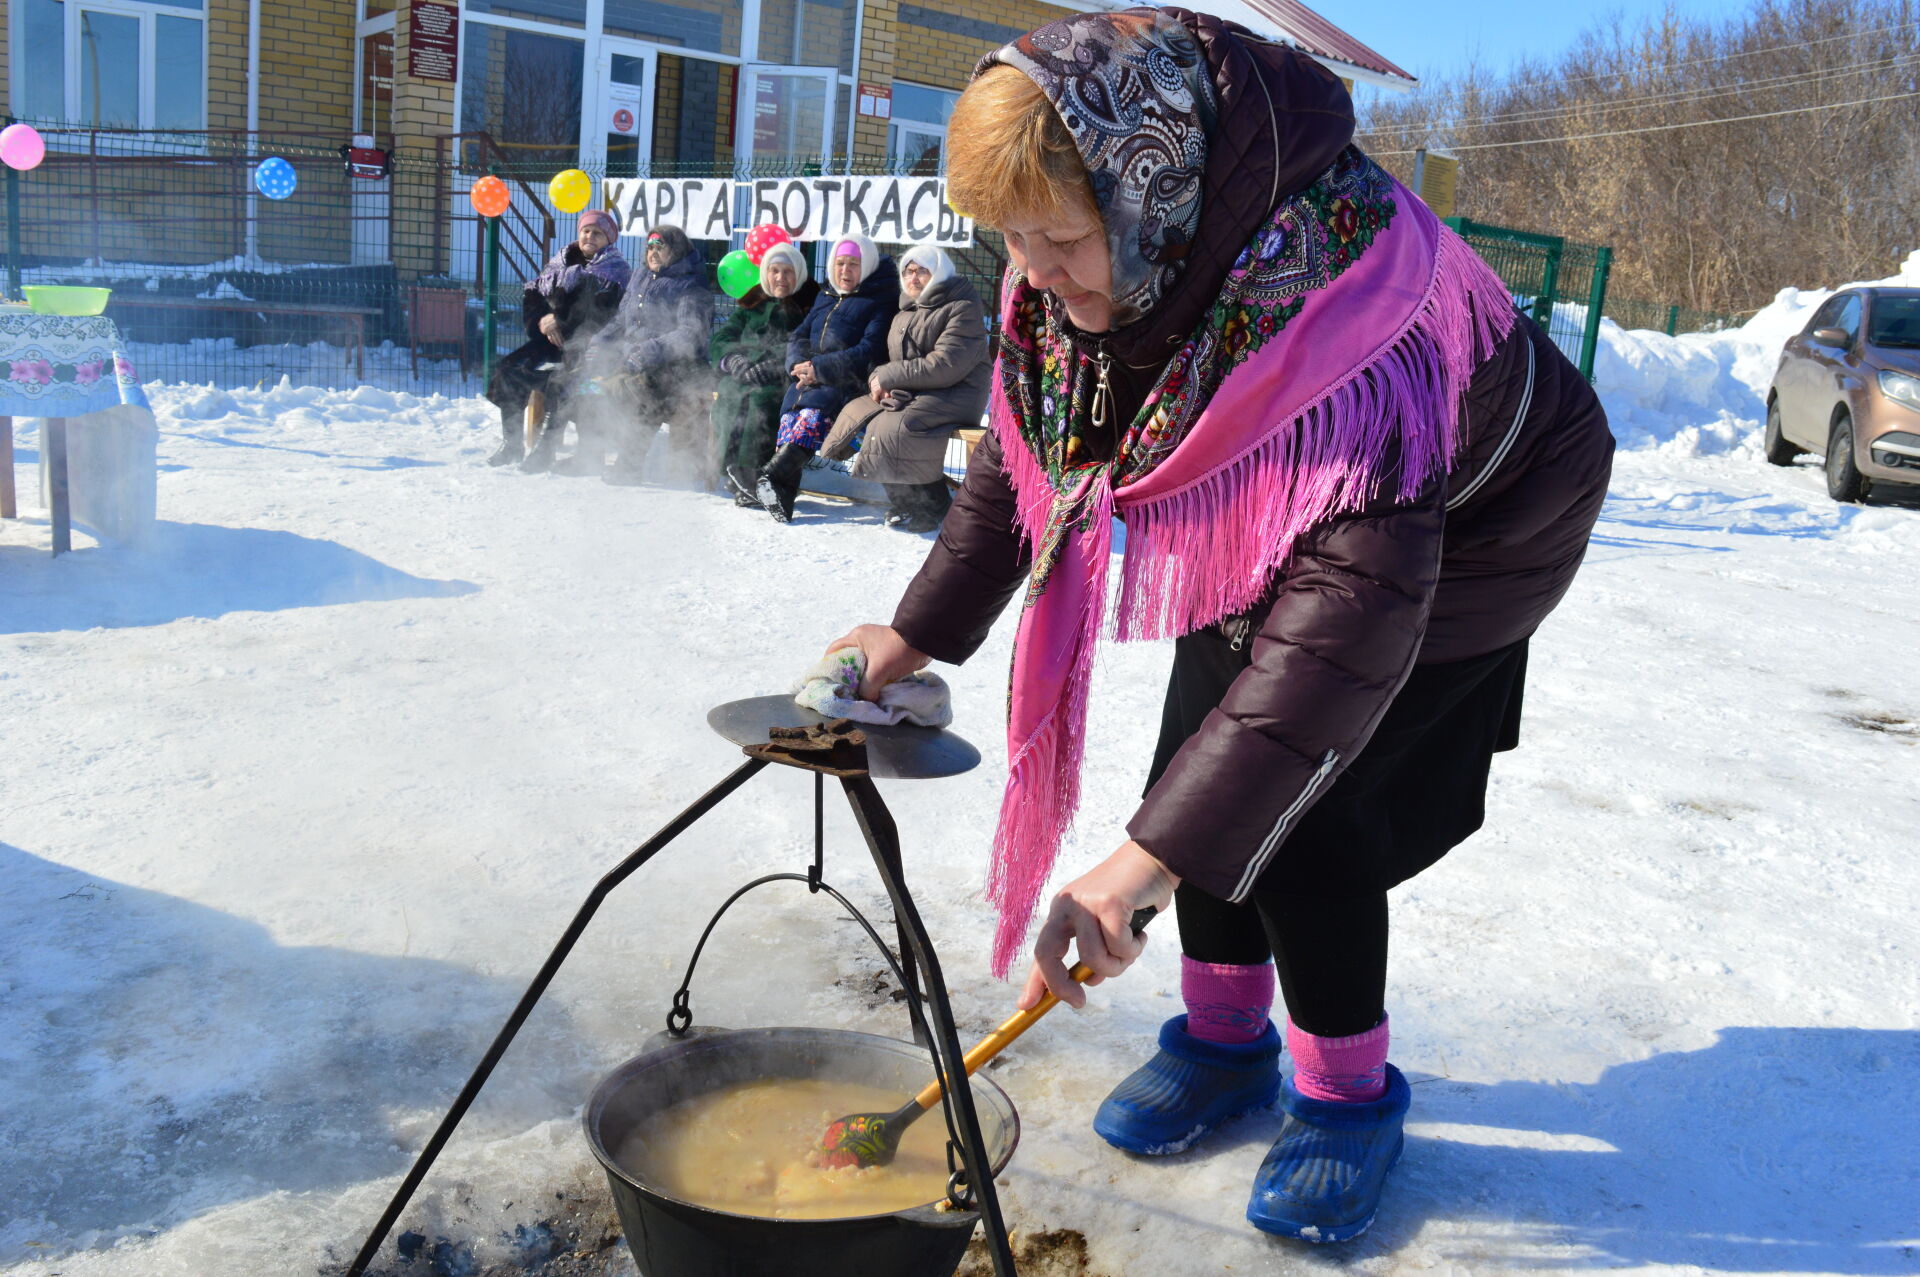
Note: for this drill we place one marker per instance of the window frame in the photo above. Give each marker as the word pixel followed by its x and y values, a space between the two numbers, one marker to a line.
pixel 147 13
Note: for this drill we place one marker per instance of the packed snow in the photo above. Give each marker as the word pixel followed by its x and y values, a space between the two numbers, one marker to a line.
pixel 300 793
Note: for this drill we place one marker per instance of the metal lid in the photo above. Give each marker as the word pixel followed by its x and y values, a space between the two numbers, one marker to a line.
pixel 902 752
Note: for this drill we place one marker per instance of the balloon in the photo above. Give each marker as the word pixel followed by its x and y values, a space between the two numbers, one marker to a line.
pixel 21 146
pixel 570 190
pixel 490 197
pixel 762 238
pixel 738 274
pixel 275 178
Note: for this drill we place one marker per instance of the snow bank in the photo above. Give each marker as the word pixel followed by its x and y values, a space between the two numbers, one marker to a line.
pixel 1704 394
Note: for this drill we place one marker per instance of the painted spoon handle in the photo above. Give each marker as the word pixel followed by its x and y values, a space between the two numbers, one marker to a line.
pixel 1019 1022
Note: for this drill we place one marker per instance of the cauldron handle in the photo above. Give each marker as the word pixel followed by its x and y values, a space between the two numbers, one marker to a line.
pixel 680 1018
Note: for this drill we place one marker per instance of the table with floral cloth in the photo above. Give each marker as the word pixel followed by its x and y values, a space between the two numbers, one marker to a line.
pixel 69 372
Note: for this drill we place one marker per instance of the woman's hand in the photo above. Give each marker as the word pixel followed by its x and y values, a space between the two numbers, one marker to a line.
pixel 874 391
pixel 550 329
pixel 803 373
pixel 1095 911
pixel 889 659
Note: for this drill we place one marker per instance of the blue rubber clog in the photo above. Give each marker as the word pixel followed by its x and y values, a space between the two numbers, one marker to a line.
pixel 1321 1180
pixel 1186 1090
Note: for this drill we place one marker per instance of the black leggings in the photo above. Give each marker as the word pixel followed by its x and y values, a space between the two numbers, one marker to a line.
pixel 1330 955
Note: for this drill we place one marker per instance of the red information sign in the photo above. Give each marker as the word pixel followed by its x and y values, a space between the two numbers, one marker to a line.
pixel 433 46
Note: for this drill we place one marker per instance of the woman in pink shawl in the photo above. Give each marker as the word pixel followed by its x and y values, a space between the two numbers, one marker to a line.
pixel 1354 482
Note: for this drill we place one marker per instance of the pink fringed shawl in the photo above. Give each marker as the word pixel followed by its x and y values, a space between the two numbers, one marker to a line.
pixel 1335 364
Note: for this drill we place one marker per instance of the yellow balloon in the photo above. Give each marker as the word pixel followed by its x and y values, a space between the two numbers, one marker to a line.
pixel 570 190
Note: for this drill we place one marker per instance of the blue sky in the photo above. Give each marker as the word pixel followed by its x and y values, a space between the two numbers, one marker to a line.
pixel 1430 38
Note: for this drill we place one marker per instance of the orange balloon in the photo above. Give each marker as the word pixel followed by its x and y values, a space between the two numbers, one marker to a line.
pixel 490 197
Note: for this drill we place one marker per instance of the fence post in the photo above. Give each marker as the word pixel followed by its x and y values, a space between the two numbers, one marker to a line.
pixel 1549 286
pixel 1673 319
pixel 1596 299
pixel 489 284
pixel 13 231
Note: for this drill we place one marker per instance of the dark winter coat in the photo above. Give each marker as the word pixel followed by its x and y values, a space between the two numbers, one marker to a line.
pixel 845 336
pixel 1365 596
pixel 939 363
pixel 582 294
pixel 663 324
pixel 749 353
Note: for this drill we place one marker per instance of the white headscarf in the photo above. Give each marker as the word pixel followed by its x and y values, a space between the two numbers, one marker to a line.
pixel 934 258
pixel 791 256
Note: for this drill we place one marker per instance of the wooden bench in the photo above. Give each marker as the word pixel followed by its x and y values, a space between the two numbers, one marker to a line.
pixel 970 438
pixel 354 317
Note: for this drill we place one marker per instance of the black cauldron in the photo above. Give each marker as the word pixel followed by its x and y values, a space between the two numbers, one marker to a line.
pixel 672 1238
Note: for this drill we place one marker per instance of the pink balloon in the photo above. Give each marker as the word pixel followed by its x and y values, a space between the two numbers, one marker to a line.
pixel 21 146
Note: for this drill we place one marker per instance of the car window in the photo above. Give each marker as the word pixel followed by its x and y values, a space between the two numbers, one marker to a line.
pixel 1896 321
pixel 1849 320
pixel 1828 312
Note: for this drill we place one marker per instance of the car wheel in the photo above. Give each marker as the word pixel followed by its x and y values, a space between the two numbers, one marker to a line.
pixel 1844 481
pixel 1780 452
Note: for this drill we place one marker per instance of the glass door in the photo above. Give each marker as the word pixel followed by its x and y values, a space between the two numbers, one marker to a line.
pixel 785 115
pixel 617 125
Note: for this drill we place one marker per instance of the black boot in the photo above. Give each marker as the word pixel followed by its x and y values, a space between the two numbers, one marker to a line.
pixel 780 482
pixel 924 507
pixel 900 498
pixel 540 460
pixel 740 482
pixel 512 446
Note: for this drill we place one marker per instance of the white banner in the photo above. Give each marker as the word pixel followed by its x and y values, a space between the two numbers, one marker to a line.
pixel 892 210
pixel 700 206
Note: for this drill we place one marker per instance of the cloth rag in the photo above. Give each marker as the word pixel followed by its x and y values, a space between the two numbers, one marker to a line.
pixel 832 687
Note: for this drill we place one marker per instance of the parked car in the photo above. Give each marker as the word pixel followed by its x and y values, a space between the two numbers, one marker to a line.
pixel 1848 386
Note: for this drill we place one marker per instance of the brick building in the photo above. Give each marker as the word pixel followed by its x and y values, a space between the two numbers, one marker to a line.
pixel 156 110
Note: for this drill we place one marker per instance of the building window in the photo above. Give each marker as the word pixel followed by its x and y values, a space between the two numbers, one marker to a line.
pixel 809 33
pixel 112 64
pixel 564 13
pixel 917 133
pixel 693 117
pixel 711 25
pixel 522 89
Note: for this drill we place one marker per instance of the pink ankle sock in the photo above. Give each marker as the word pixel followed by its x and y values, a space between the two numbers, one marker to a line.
pixel 1225 1002
pixel 1343 1070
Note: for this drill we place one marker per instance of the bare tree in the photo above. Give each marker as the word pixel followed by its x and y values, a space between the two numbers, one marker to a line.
pixel 1722 159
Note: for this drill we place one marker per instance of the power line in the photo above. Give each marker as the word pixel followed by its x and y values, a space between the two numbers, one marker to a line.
pixel 1722 57
pixel 1704 93
pixel 1663 128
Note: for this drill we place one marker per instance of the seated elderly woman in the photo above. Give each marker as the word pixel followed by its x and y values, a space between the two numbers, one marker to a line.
pixel 936 379
pixel 649 365
pixel 749 353
pixel 841 341
pixel 570 300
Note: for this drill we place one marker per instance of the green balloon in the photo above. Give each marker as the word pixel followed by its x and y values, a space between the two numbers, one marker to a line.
pixel 738 274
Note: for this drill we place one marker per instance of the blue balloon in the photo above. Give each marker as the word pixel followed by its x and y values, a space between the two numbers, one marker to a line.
pixel 275 178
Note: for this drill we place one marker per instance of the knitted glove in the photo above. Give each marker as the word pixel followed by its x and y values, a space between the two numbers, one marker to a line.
pixel 735 366
pixel 764 372
pixel 897 399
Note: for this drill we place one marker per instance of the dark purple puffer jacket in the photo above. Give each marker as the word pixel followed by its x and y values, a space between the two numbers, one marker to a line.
pixel 1472 564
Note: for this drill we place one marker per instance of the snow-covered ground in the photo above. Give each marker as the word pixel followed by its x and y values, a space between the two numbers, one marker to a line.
pixel 297 796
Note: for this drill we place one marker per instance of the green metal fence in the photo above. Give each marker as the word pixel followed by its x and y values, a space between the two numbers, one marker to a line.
pixel 348 281
pixel 1562 283
pixel 1669 319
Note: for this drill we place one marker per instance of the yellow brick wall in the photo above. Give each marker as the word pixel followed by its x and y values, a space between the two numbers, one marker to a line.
pixel 306 57
pixel 895 48
pixel 227 64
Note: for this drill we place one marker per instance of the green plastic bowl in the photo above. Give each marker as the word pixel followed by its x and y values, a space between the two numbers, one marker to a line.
pixel 54 299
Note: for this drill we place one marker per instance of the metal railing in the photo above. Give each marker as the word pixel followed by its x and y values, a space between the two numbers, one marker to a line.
pixel 346 281
pixel 1562 283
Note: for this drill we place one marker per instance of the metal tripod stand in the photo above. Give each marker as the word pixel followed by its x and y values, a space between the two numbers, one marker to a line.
pixel 887 753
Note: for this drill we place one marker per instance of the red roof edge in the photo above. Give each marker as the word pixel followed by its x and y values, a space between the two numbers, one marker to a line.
pixel 1317 35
